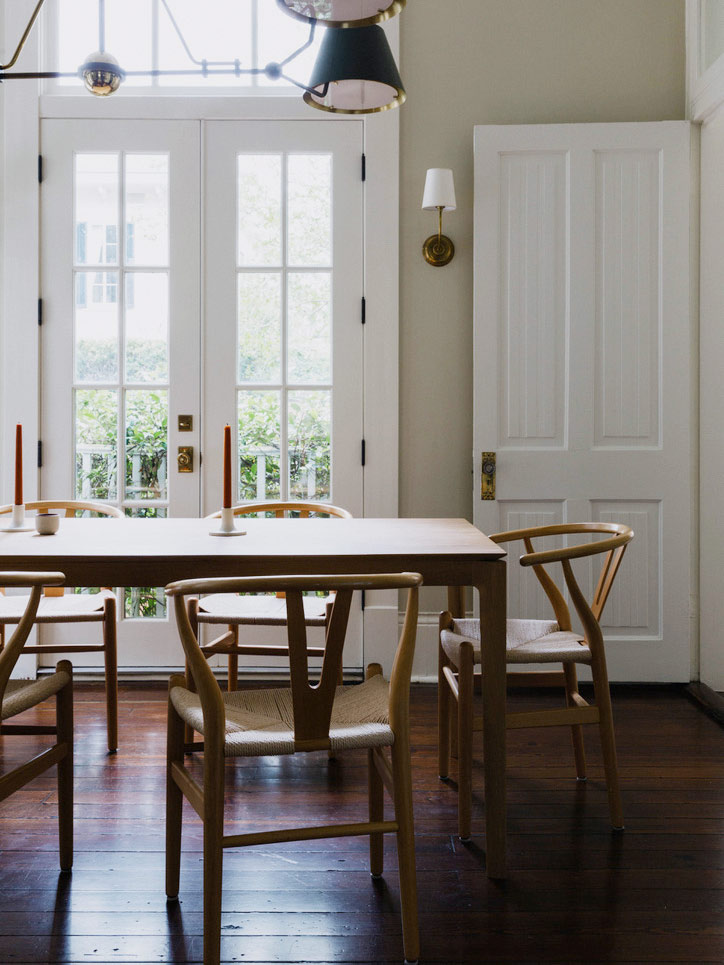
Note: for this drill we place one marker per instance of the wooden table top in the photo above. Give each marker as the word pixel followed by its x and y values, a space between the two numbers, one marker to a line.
pixel 152 552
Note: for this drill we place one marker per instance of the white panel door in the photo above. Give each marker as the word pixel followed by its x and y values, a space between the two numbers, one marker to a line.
pixel 120 256
pixel 283 325
pixel 583 337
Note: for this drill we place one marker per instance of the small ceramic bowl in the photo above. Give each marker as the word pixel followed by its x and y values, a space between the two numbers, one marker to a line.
pixel 47 523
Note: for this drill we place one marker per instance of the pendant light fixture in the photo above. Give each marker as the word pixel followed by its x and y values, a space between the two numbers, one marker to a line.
pixel 355 73
pixel 342 13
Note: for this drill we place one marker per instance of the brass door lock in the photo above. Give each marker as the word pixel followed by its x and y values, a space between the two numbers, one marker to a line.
pixel 185 459
pixel 487 475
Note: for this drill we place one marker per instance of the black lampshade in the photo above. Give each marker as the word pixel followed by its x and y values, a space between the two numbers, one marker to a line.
pixel 342 13
pixel 360 71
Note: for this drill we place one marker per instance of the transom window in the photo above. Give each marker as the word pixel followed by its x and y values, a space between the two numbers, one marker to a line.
pixel 141 35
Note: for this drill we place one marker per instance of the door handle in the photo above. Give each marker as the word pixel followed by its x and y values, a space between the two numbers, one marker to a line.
pixel 185 459
pixel 487 475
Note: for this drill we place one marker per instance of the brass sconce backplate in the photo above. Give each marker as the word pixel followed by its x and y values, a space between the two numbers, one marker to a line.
pixel 438 250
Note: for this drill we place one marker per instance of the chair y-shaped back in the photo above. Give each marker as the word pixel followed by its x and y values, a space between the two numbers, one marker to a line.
pixel 79 608
pixel 235 612
pixel 17 696
pixel 538 641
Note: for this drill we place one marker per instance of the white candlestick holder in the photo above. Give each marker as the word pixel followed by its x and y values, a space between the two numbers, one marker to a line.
pixel 227 525
pixel 18 521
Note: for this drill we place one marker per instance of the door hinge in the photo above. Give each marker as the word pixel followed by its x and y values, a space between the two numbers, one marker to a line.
pixel 40 311
pixel 40 169
pixel 40 454
pixel 364 167
pixel 364 309
pixel 364 453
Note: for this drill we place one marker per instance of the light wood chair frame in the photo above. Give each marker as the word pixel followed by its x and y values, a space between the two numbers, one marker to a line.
pixel 105 615
pixel 61 753
pixel 456 719
pixel 228 642
pixel 312 709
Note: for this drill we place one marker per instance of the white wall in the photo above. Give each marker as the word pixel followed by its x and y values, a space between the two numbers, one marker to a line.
pixel 712 402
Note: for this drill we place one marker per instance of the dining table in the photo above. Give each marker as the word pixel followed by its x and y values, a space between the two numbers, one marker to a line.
pixel 450 553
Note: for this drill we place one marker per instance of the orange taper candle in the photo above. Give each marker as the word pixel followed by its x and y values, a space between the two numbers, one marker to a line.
pixel 18 465
pixel 227 467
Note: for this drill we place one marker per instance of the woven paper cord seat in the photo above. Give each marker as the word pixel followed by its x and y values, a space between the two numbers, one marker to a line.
pixel 263 611
pixel 21 695
pixel 262 721
pixel 70 608
pixel 527 641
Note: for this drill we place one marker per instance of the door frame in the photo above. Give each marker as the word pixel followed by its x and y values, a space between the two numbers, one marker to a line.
pixel 21 108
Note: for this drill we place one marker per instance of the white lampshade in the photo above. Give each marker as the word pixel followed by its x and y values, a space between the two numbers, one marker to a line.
pixel 439 190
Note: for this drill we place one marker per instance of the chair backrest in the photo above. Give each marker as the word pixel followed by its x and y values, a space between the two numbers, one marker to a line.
pixel 14 646
pixel 70 507
pixel 282 509
pixel 612 547
pixel 312 703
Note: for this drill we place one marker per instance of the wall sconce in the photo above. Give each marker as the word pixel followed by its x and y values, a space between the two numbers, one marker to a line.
pixel 439 196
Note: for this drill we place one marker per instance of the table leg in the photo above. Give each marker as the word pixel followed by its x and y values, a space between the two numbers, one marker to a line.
pixel 456 601
pixel 490 584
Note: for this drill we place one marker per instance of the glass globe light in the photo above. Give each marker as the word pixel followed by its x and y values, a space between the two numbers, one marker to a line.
pixel 101 73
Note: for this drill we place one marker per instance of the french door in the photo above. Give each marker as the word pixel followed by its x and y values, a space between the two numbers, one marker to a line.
pixel 193 274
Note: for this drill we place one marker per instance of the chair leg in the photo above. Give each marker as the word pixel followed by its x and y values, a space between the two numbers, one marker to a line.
pixel 579 753
pixel 193 612
pixel 465 739
pixel 406 848
pixel 64 729
pixel 110 656
pixel 376 794
pixel 213 853
pixel 233 679
pixel 174 800
pixel 443 717
pixel 608 742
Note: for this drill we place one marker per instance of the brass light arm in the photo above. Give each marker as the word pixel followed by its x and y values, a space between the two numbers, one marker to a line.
pixel 26 32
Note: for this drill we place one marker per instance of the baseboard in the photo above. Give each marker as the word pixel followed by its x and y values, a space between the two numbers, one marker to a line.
pixel 710 701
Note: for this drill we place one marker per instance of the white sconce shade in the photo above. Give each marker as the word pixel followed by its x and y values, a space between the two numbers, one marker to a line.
pixel 439 190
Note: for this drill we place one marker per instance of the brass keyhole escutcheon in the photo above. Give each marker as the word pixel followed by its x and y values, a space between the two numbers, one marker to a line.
pixel 487 475
pixel 185 459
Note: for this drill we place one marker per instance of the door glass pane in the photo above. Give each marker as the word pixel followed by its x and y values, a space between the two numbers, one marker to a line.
pixel 146 209
pixel 259 445
pixel 309 218
pixel 96 444
pixel 96 209
pixel 146 309
pixel 260 327
pixel 96 326
pixel 146 444
pixel 309 338
pixel 309 428
pixel 260 210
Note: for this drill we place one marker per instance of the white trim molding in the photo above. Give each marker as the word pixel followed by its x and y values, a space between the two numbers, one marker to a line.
pixel 704 86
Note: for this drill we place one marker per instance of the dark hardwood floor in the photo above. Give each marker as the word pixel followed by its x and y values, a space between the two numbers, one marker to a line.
pixel 576 892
